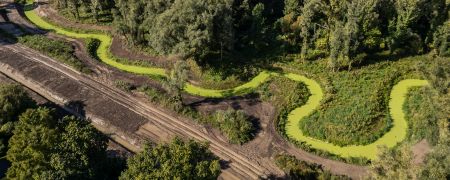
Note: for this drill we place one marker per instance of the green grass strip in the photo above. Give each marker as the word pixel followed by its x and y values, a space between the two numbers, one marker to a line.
pixel 390 139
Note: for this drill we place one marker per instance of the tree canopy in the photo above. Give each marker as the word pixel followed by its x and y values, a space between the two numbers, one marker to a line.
pixel 44 147
pixel 13 101
pixel 176 160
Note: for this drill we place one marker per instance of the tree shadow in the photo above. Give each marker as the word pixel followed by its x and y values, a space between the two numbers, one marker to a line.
pixel 10 31
pixel 59 112
pixel 384 56
pixel 77 107
pixel 215 101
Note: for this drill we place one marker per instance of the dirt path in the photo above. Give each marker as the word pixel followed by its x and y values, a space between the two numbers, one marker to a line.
pixel 118 47
pixel 47 11
pixel 240 162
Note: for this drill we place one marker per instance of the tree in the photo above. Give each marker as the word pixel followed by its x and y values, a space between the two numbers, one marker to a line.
pixel 13 101
pixel 441 40
pixel 74 6
pixel 31 145
pixel 292 7
pixel 43 147
pixel 258 29
pixel 81 151
pixel 188 28
pixel 176 81
pixel 176 160
pixel 296 169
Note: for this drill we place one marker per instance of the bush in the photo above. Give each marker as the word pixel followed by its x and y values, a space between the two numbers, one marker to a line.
pixel 235 125
pixel 296 169
pixel 126 86
pixel 92 46
pixel 176 160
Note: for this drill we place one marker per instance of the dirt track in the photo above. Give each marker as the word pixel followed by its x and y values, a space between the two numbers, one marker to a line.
pixel 249 161
pixel 65 86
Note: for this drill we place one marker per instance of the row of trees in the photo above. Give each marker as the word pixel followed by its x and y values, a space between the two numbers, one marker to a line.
pixel 39 145
pixel 197 28
pixel 77 7
pixel 344 30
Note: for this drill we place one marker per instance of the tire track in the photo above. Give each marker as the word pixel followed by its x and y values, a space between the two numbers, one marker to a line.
pixel 239 162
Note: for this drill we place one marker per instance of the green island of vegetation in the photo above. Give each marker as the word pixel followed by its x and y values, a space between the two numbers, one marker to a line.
pixel 395 135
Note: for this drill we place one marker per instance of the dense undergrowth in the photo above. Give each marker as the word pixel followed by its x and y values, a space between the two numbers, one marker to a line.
pixel 57 49
pixel 86 15
pixel 356 112
pixel 234 124
pixel 421 111
pixel 296 169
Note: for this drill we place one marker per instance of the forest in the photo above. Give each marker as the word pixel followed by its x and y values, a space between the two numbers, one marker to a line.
pixel 237 30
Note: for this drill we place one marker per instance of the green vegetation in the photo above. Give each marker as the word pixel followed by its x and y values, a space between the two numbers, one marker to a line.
pixel 45 147
pixel 203 29
pixel 296 169
pixel 124 85
pixel 420 110
pixel 42 146
pixel 352 35
pixel 102 51
pixel 57 49
pixel 13 102
pixel 348 31
pixel 39 145
pixel 397 163
pixel 235 125
pixel 91 11
pixel 176 160
pixel 357 110
pixel 92 46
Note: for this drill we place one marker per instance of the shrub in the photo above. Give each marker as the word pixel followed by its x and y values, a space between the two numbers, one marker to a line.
pixel 126 86
pixel 235 125
pixel 92 46
pixel 296 169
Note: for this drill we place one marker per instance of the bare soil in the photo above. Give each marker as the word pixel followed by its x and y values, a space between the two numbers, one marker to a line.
pixel 118 47
pixel 47 11
pixel 420 151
